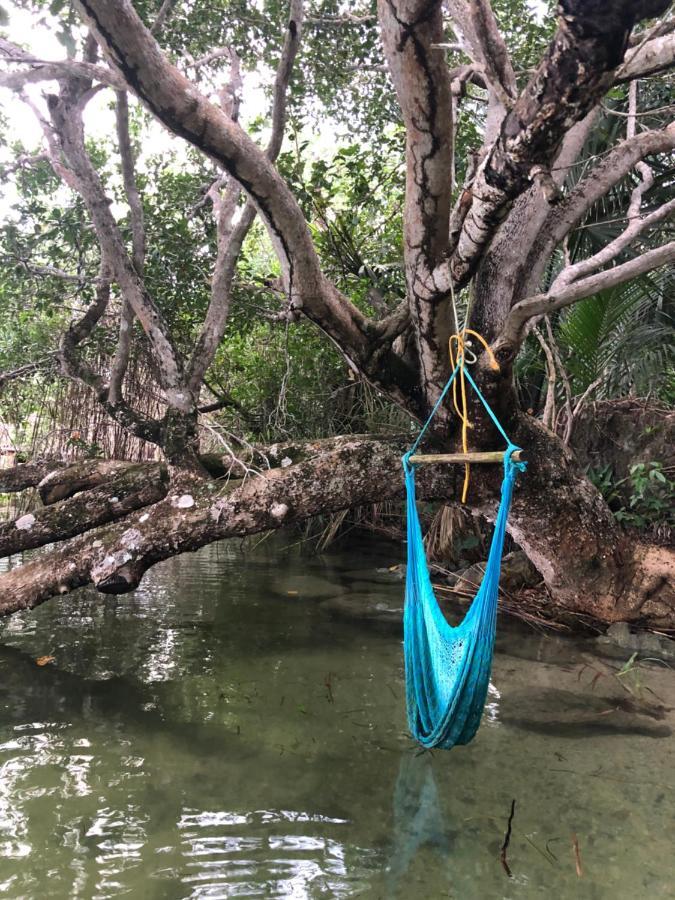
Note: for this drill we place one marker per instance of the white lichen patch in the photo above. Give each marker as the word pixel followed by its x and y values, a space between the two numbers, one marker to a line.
pixel 286 461
pixel 185 501
pixel 144 517
pixel 25 523
pixel 279 510
pixel 111 562
pixel 131 538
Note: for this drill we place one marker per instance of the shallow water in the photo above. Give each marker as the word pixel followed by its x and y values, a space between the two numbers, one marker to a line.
pixel 222 733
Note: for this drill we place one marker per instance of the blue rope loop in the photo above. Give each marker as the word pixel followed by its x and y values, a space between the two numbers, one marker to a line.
pixel 510 466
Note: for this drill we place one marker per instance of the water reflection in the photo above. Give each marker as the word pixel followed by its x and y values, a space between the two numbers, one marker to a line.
pixel 219 734
pixel 418 818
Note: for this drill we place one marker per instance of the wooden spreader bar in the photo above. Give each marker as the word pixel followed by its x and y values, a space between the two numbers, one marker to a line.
pixel 490 456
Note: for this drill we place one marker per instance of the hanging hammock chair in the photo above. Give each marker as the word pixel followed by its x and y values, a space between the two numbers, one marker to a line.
pixel 447 668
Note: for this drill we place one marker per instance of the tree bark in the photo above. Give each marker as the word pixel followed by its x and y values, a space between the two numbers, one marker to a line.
pixel 27 475
pixel 558 517
pixel 136 486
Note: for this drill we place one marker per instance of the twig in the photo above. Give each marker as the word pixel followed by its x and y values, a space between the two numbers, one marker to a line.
pixel 577 855
pixel 507 839
pixel 548 856
pixel 328 681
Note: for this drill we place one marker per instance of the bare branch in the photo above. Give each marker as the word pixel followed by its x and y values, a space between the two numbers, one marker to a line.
pixel 575 72
pixel 179 105
pixel 73 366
pixel 637 223
pixel 129 177
pixel 648 58
pixel 27 369
pixel 636 226
pixel 231 237
pixel 121 358
pixel 79 172
pixel 584 287
pixel 548 415
pixel 488 51
pixel 50 271
pixel 49 70
pixel 608 172
pixel 346 19
pixel 163 16
pixel 22 162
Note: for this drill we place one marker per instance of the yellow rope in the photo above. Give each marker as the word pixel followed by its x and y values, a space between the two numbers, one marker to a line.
pixel 458 356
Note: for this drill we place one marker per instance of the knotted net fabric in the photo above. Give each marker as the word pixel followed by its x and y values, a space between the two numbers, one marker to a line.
pixel 447 668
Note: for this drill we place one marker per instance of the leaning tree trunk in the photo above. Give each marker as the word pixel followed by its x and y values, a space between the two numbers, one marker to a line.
pixel 558 517
pixel 568 532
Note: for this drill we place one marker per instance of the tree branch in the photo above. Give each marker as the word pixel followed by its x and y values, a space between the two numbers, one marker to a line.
pixel 80 174
pixel 74 366
pixel 546 303
pixel 650 58
pixel 163 16
pixel 487 49
pixel 575 72
pixel 27 475
pixel 179 105
pixel 115 557
pixel 637 223
pixel 134 488
pixel 121 358
pixel 608 172
pixel 231 237
pixel 46 70
pixel 504 275
pixel 27 369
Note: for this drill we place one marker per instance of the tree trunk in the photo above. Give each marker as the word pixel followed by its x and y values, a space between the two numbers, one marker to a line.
pixel 558 517
pixel 568 532
pixel 134 487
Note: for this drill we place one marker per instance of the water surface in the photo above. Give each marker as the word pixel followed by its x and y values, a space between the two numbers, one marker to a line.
pixel 223 732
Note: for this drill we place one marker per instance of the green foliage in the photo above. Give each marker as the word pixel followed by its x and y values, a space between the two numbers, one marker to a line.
pixel 288 379
pixel 624 337
pixel 647 501
pixel 353 199
pixel 90 450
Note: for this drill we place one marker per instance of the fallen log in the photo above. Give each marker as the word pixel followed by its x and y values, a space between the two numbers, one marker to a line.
pixel 66 481
pixel 134 487
pixel 27 475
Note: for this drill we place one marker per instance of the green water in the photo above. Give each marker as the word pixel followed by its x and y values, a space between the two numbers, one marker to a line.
pixel 222 733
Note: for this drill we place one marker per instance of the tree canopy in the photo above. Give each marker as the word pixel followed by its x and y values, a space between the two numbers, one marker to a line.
pixel 241 224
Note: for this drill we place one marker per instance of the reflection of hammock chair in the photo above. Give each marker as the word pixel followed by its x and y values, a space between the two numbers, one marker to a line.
pixel 419 824
pixel 448 669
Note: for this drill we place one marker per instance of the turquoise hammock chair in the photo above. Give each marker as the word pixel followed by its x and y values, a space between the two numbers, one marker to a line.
pixel 447 669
